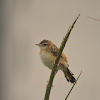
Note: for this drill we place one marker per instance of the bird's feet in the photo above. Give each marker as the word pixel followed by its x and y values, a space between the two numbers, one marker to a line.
pixel 48 81
pixel 47 84
pixel 54 63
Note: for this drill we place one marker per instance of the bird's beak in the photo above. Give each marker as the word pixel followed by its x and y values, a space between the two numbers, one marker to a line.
pixel 37 44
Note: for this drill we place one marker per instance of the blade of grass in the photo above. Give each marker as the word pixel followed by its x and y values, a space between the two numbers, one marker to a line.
pixel 72 86
pixel 93 18
pixel 48 89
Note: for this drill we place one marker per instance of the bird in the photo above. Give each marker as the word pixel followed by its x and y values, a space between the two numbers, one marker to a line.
pixel 48 53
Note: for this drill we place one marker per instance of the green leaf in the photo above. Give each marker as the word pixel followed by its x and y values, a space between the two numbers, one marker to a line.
pixel 72 86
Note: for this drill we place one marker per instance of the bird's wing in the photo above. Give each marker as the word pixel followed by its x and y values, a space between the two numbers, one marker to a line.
pixel 54 50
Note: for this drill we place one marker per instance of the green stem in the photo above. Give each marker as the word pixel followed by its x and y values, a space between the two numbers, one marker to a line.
pixel 48 89
pixel 72 86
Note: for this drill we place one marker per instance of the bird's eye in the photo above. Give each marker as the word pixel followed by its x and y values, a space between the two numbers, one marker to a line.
pixel 44 44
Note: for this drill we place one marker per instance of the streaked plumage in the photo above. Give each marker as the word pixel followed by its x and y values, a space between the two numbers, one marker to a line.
pixel 48 53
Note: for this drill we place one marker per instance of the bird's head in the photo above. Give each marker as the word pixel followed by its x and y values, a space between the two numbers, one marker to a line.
pixel 44 44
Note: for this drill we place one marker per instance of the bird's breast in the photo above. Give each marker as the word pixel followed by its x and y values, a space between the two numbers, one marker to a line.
pixel 47 59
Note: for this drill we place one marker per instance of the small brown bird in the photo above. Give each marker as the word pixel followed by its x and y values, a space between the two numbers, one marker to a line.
pixel 48 54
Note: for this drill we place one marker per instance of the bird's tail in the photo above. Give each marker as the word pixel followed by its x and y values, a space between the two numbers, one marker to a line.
pixel 68 75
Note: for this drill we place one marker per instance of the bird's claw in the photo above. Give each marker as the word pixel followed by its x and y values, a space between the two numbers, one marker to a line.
pixel 54 63
pixel 47 85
